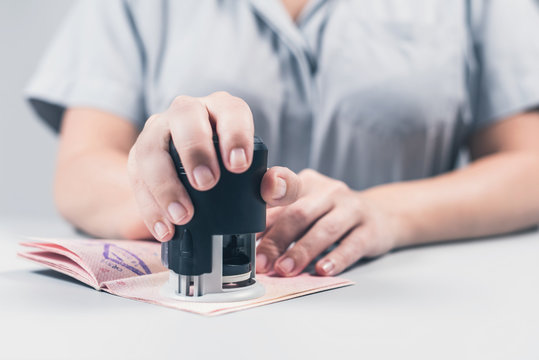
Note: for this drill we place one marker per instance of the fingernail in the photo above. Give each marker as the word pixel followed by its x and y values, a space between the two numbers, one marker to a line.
pixel 177 212
pixel 261 262
pixel 160 230
pixel 287 265
pixel 203 176
pixel 238 159
pixel 328 266
pixel 280 189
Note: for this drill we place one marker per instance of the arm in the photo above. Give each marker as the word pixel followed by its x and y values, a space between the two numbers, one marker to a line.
pixel 113 182
pixel 498 192
pixel 92 189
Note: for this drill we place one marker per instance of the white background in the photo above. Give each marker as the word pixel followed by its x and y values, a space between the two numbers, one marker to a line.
pixel 27 146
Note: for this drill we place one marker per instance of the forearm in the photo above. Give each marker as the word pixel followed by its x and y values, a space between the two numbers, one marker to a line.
pixel 496 194
pixel 93 193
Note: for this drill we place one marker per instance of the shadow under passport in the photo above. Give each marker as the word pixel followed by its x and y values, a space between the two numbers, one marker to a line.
pixel 59 276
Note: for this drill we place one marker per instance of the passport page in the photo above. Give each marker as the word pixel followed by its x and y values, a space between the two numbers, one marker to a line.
pixel 133 269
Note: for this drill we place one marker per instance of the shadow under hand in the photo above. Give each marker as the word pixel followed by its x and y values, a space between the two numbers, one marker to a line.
pixel 489 238
pixel 368 260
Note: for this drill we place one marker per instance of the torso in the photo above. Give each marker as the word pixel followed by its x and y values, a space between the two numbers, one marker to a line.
pixel 363 91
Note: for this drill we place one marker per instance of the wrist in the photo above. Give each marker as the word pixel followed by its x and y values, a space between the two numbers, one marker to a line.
pixel 395 216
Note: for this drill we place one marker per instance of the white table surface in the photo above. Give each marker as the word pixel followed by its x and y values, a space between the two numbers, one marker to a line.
pixel 467 300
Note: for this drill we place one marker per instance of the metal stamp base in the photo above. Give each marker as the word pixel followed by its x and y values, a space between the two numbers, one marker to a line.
pixel 227 295
pixel 214 287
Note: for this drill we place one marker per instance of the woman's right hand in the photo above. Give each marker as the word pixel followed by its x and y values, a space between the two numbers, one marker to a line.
pixel 161 197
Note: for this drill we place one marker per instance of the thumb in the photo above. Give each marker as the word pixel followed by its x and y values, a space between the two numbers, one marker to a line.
pixel 280 186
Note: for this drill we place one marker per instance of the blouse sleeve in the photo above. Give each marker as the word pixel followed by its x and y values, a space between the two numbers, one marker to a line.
pixel 96 60
pixel 506 35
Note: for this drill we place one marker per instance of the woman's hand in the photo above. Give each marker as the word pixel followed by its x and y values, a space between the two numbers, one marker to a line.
pixel 327 212
pixel 161 198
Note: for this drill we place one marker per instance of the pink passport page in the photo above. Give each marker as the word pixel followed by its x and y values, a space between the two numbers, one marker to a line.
pixel 133 269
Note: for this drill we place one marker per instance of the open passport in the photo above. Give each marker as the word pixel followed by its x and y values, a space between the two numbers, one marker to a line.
pixel 133 269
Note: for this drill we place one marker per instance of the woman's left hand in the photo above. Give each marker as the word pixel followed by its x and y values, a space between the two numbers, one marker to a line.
pixel 326 212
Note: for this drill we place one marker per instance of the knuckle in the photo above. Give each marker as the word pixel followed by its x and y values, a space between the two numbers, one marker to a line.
pixel 195 147
pixel 356 246
pixel 239 109
pixel 184 102
pixel 356 205
pixel 152 218
pixel 341 258
pixel 304 250
pixel 307 173
pixel 240 136
pixel 221 94
pixel 151 122
pixel 369 243
pixel 161 192
pixel 298 214
pixel 147 142
pixel 339 186
pixel 331 229
pixel 238 103
pixel 144 148
pixel 269 247
pixel 135 181
pixel 342 185
pixel 148 211
pixel 166 193
pixel 138 183
pixel 280 169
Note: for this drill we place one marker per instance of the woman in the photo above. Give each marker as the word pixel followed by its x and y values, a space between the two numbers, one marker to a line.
pixel 369 102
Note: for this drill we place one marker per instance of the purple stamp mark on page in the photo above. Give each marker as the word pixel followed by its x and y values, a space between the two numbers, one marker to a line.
pixel 126 259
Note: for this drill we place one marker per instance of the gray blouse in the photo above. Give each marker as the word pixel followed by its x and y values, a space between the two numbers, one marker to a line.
pixel 365 91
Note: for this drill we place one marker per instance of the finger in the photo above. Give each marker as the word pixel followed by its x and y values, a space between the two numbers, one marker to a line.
pixel 272 214
pixel 326 231
pixel 351 249
pixel 294 221
pixel 151 161
pixel 192 134
pixel 235 127
pixel 160 227
pixel 280 186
